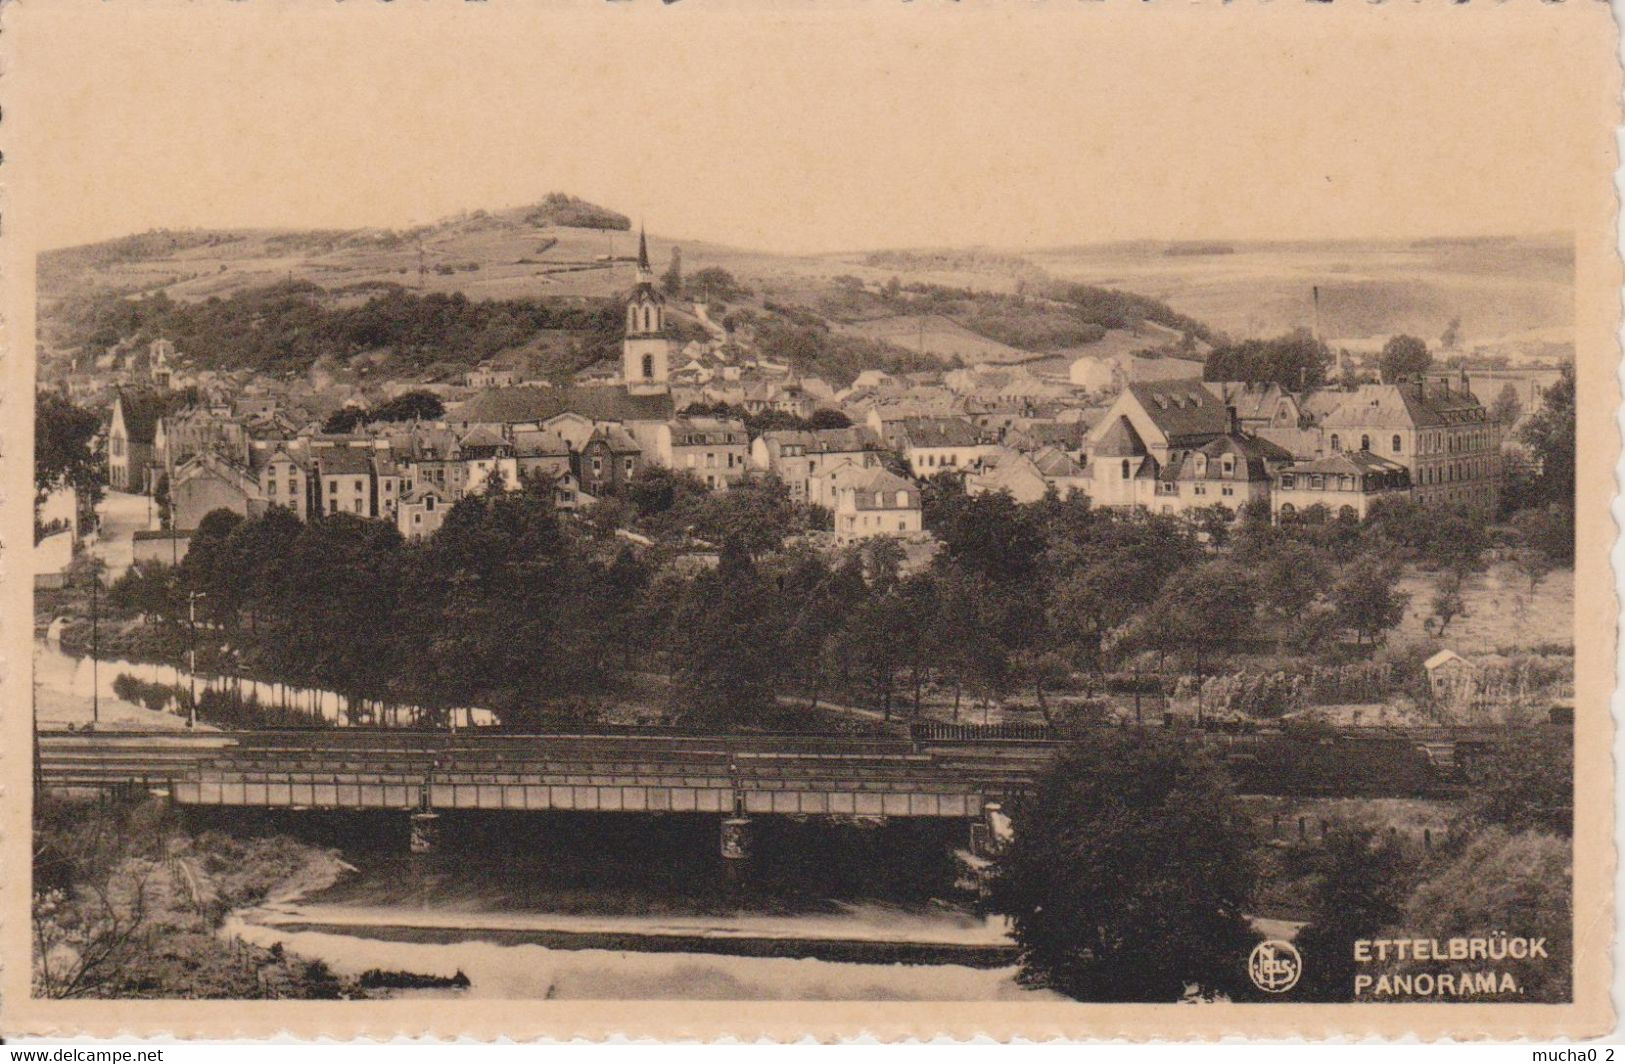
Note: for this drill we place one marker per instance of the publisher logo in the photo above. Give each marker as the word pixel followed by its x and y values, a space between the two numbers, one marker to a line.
pixel 1274 966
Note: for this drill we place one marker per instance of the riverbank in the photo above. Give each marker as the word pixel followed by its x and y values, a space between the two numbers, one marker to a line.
pixel 128 904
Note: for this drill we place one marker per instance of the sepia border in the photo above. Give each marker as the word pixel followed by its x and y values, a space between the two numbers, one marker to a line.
pixel 1586 102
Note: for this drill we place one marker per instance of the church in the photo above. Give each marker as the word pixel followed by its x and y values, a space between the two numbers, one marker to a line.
pixel 646 351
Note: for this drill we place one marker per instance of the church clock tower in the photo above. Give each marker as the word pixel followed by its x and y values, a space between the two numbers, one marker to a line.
pixel 645 353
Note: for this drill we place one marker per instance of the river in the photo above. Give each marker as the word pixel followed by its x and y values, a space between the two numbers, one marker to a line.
pixel 593 907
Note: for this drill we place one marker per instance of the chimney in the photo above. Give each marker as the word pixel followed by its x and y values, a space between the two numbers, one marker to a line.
pixel 1233 419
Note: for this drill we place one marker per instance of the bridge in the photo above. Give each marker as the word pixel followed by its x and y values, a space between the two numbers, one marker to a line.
pixel 422 772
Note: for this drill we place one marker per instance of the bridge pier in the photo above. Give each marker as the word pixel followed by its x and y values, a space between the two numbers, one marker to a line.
pixel 424 831
pixel 735 840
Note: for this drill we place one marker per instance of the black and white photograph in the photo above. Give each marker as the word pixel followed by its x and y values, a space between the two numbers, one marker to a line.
pixel 587 514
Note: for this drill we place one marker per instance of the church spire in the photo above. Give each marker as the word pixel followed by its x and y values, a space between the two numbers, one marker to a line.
pixel 643 251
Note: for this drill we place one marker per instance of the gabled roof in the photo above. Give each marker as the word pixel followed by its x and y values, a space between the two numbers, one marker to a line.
pixel 482 436
pixel 1442 657
pixel 506 406
pixel 617 438
pixel 940 432
pixel 825 441
pixel 1119 441
pixel 530 443
pixel 1181 408
pixel 343 461
pixel 141 410
pixel 1348 463
pixel 1406 405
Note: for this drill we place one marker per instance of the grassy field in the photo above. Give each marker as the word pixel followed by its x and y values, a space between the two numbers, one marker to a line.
pixel 1501 612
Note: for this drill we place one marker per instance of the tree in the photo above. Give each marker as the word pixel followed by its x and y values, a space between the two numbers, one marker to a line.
pixel 1450 339
pixel 1293 577
pixel 1202 609
pixel 63 456
pixel 1403 356
pixel 671 282
pixel 415 405
pixel 1361 881
pixel 1550 435
pixel 1366 600
pixel 1295 360
pixel 1507 881
pixel 1129 873
pixel 1525 784
pixel 827 418
pixel 344 420
pixel 1506 409
pixel 725 663
pixel 1447 603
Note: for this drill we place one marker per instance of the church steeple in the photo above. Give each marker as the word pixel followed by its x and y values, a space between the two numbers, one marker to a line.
pixel 645 353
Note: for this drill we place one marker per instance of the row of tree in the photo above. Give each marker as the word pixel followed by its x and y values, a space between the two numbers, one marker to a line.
pixel 517 608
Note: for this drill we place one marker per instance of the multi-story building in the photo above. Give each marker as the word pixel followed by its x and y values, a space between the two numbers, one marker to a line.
pixel 869 501
pixel 1346 485
pixel 607 462
pixel 131 438
pixel 800 457
pixel 1435 427
pixel 717 450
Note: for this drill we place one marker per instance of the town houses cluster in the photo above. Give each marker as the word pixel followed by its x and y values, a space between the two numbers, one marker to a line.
pixel 1150 433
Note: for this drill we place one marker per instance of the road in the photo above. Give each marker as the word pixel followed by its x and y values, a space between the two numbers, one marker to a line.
pixel 122 516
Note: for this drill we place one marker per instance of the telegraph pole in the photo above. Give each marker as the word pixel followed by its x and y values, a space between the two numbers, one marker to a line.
pixel 191 621
pixel 95 646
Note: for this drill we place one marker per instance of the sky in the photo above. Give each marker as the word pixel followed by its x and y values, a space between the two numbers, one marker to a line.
pixel 801 128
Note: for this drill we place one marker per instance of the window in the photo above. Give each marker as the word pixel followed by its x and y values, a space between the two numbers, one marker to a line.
pixel 428 504
pixel 1288 511
pixel 648 367
pixel 293 487
pixel 1227 490
pixel 1125 469
pixel 332 506
pixel 332 487
pixel 358 506
pixel 629 467
pixel 1317 482
pixel 598 465
pixel 1337 444
pixel 1397 446
pixel 1288 481
pixel 417 519
pixel 1365 443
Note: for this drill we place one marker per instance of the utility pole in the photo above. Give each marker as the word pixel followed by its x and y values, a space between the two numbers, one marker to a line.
pixel 191 621
pixel 95 646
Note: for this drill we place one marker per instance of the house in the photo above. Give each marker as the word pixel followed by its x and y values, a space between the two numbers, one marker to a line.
pixel 353 480
pixel 210 481
pixel 1231 471
pixel 421 512
pixel 1258 406
pixel 1449 674
pixel 285 481
pixel 801 457
pixel 869 501
pixel 931 445
pixel 541 452
pixel 134 428
pixel 607 462
pixel 1011 472
pixel 1348 485
pixel 488 376
pixel 1435 427
pixel 717 450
